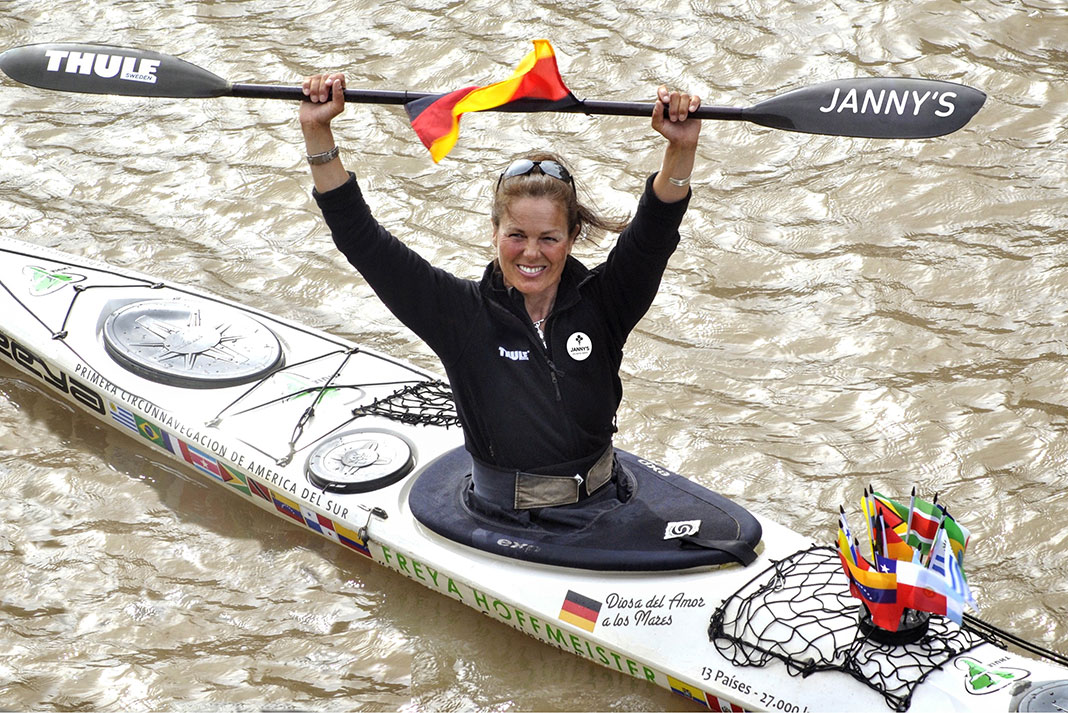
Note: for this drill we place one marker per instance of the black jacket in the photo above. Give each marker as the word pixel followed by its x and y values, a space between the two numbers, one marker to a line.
pixel 522 405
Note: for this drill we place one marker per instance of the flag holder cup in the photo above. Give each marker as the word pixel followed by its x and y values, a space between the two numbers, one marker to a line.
pixel 914 569
pixel 911 628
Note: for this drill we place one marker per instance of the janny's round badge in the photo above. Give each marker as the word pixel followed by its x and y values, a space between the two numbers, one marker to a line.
pixel 579 346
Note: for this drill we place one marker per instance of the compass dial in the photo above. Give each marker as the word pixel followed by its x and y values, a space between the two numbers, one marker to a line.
pixel 359 461
pixel 191 343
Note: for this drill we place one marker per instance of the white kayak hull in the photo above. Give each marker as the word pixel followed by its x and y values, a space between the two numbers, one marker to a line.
pixel 226 397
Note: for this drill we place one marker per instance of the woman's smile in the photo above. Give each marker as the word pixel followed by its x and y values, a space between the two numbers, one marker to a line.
pixel 533 243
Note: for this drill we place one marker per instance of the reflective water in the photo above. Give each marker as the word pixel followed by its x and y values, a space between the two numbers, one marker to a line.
pixel 841 312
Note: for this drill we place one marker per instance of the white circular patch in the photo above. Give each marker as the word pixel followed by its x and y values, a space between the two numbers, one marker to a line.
pixel 579 346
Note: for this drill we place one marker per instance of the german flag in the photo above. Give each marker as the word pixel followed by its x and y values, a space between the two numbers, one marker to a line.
pixel 436 120
pixel 580 611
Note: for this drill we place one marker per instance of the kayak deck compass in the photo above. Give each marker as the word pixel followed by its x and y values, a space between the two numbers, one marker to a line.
pixel 190 343
pixel 359 461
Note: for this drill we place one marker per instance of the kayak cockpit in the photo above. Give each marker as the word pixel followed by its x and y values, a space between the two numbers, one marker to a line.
pixel 667 522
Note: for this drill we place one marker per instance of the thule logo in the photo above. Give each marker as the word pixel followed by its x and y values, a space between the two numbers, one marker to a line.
pixel 887 102
pixel 108 66
pixel 514 354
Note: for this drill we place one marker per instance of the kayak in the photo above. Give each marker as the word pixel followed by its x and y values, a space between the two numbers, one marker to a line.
pixel 342 440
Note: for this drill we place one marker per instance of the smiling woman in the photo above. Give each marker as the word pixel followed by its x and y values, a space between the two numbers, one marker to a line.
pixel 533 243
pixel 537 218
pixel 533 350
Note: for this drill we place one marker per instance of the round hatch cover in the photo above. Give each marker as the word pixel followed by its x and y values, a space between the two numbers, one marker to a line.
pixel 359 461
pixel 190 343
pixel 1041 696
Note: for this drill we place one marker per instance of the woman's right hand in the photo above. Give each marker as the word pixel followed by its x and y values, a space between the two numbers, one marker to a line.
pixel 322 106
pixel 326 99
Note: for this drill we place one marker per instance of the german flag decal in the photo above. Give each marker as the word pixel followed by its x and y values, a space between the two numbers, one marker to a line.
pixel 580 611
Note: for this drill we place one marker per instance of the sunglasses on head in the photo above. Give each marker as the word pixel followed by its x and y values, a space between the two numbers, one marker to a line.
pixel 523 166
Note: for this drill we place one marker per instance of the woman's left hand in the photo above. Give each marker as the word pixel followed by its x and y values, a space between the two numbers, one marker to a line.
pixel 682 132
pixel 678 128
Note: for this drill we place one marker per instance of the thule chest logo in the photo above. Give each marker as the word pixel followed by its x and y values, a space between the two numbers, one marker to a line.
pixel 108 66
pixel 514 354
pixel 887 102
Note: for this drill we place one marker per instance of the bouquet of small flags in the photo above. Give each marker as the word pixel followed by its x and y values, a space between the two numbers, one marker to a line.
pixel 915 560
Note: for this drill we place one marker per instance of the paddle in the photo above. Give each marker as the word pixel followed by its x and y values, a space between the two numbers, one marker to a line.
pixel 887 108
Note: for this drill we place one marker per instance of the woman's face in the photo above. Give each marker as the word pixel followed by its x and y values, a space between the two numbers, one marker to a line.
pixel 532 244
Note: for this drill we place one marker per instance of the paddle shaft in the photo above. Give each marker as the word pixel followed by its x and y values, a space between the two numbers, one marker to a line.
pixel 873 107
pixel 371 96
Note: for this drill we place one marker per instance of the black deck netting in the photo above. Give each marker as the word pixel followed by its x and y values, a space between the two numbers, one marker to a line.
pixel 427 403
pixel 800 612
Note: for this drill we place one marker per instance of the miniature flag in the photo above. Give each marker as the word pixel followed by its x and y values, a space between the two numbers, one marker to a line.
pixel 958 535
pixel 436 120
pixel 894 512
pixel 844 531
pixel 722 705
pixel 925 520
pixel 156 435
pixel 878 590
pixel 921 589
pixel 893 546
pixel 944 564
pixel 123 416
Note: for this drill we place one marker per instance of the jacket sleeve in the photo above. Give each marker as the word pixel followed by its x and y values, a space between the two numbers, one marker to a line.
pixel 630 276
pixel 433 303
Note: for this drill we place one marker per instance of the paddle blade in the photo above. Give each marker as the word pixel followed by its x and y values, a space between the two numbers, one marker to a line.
pixel 103 69
pixel 879 107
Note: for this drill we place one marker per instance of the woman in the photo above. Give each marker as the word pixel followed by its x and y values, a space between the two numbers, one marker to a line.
pixel 532 351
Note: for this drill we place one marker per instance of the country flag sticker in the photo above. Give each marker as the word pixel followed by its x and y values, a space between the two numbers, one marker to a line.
pixel 722 705
pixel 148 430
pixel 351 539
pixel 288 507
pixel 580 611
pixel 687 691
pixel 320 523
pixel 200 460
pixel 259 490
pixel 234 479
pixel 124 417
pixel 156 435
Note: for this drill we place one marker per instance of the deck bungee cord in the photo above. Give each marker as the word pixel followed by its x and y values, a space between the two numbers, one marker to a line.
pixel 1001 634
pixel 774 617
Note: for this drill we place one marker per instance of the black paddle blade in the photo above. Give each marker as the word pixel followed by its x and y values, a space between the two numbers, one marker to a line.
pixel 103 69
pixel 880 107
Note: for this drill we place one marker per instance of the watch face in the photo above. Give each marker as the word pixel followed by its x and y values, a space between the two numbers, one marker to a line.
pixel 359 461
pixel 191 343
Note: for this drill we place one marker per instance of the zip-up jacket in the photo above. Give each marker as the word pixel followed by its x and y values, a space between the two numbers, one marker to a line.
pixel 522 405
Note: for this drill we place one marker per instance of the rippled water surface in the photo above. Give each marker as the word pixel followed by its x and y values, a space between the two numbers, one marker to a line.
pixel 841 312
